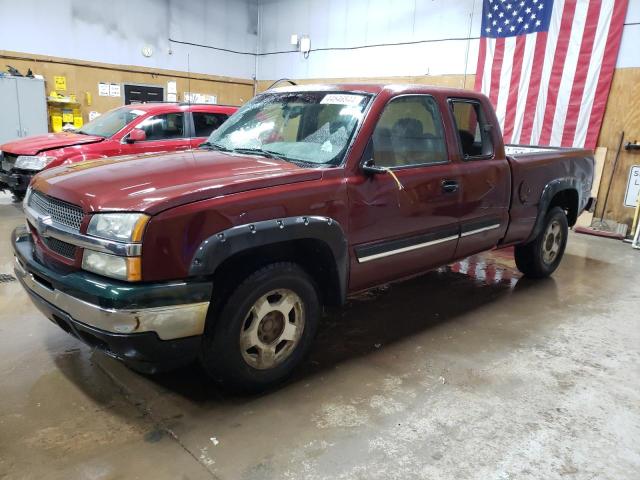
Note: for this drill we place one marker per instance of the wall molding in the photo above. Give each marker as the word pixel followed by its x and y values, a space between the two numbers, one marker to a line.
pixel 159 72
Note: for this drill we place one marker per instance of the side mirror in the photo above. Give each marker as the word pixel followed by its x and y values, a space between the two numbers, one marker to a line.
pixel 136 135
pixel 369 167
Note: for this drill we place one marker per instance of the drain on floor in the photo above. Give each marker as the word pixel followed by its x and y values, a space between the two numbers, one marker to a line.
pixel 6 278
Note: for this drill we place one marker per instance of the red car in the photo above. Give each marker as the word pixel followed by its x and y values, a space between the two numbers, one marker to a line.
pixel 306 195
pixel 129 130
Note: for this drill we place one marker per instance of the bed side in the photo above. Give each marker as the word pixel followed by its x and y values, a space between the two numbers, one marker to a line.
pixel 544 177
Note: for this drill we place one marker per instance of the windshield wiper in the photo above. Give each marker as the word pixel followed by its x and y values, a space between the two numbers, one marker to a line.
pixel 214 146
pixel 250 151
pixel 260 151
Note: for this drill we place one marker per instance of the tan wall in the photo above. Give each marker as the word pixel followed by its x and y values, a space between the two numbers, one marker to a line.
pixel 83 77
pixel 622 113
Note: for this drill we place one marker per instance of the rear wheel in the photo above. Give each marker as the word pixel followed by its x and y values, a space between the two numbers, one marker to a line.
pixel 541 257
pixel 264 329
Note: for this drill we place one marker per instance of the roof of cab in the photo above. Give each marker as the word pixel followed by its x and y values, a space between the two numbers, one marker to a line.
pixel 376 88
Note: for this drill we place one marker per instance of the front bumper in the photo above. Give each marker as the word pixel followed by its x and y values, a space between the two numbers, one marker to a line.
pixel 153 326
pixel 16 182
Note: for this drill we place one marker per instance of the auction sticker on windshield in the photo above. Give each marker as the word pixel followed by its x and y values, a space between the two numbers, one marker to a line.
pixel 342 99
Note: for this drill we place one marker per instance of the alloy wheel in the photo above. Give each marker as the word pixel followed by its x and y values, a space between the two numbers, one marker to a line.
pixel 551 242
pixel 272 329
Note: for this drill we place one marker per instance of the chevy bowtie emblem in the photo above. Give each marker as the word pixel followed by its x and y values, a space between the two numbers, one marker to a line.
pixel 42 225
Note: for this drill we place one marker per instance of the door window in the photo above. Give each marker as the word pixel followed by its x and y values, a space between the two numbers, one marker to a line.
pixel 205 122
pixel 408 133
pixel 164 127
pixel 474 131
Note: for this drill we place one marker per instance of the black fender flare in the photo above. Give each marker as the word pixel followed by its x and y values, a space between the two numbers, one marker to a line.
pixel 550 190
pixel 213 251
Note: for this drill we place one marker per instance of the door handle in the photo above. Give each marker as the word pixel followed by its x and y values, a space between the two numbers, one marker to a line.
pixel 449 186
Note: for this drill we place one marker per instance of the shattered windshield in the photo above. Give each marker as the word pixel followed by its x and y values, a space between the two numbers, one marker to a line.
pixel 305 127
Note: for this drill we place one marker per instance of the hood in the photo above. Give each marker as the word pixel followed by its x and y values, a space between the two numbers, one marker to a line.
pixel 157 182
pixel 39 143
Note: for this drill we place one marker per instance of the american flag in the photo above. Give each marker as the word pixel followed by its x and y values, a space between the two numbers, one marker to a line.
pixel 547 66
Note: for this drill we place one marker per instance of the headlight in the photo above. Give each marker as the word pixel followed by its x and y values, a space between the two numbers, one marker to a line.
pixel 33 162
pixel 121 268
pixel 121 227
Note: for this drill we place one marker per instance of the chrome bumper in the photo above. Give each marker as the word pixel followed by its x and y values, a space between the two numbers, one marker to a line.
pixel 170 322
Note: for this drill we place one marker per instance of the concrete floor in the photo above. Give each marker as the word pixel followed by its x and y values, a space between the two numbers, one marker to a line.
pixel 465 373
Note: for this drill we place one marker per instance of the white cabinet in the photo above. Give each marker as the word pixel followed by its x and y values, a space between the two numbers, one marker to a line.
pixel 23 108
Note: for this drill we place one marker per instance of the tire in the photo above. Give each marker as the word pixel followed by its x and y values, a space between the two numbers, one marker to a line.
pixel 264 329
pixel 541 257
pixel 18 196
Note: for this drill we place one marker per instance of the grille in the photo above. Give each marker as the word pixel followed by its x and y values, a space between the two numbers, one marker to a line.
pixel 61 248
pixel 8 162
pixel 60 212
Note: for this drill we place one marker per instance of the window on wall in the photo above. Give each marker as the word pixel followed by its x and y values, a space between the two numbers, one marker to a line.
pixel 164 127
pixel 409 132
pixel 474 131
pixel 205 122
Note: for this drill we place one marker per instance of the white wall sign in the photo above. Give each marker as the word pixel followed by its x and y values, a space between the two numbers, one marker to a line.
pixel 103 89
pixel 172 86
pixel 633 187
pixel 114 89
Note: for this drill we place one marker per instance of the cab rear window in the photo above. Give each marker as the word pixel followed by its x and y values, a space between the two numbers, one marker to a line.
pixel 474 132
pixel 206 122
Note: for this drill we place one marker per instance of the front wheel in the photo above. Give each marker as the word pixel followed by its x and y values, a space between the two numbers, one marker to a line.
pixel 541 257
pixel 18 195
pixel 264 329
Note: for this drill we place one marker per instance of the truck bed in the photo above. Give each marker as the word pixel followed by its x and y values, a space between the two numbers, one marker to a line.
pixel 515 150
pixel 534 168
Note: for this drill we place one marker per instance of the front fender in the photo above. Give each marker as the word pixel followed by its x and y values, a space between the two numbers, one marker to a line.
pixel 68 160
pixel 223 245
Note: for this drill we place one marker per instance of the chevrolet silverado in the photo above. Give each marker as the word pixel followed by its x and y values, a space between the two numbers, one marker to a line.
pixel 228 253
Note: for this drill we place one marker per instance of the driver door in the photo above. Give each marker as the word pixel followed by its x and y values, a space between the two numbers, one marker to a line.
pixel 404 221
pixel 164 133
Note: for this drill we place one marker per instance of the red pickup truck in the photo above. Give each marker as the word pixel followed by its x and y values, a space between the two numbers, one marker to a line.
pixel 129 130
pixel 228 253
